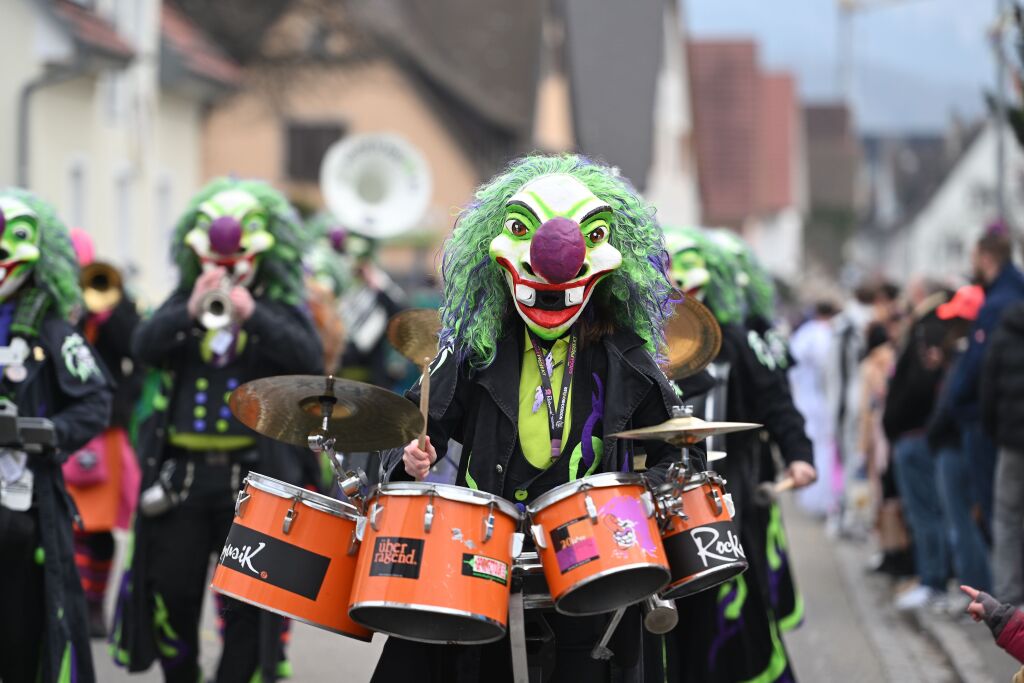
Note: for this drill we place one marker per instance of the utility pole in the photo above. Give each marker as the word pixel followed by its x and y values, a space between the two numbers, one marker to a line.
pixel 844 41
pixel 1003 10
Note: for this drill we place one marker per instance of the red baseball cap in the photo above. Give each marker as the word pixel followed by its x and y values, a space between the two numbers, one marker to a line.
pixel 965 304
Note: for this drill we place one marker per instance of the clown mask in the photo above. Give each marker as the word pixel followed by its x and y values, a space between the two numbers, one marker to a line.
pixel 19 245
pixel 230 232
pixel 688 270
pixel 555 247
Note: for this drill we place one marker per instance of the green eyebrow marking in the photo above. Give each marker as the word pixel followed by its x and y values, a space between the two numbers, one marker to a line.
pixel 576 207
pixel 604 212
pixel 548 213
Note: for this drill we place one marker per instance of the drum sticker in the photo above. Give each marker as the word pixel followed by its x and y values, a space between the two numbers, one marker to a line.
pixel 397 556
pixel 706 547
pixel 485 568
pixel 280 564
pixel 626 519
pixel 574 549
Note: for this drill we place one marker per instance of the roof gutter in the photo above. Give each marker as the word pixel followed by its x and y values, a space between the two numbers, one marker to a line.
pixel 46 79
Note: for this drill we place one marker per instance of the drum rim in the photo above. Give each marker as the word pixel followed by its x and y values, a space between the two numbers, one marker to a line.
pixel 317 501
pixel 249 601
pixel 610 572
pixel 667 593
pixel 418 607
pixel 596 481
pixel 458 494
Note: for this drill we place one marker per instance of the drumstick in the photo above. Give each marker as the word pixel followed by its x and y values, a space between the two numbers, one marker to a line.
pixel 784 485
pixel 424 403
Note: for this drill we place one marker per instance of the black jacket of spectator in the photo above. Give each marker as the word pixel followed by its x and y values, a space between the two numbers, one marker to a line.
pixel 1002 381
pixel 915 383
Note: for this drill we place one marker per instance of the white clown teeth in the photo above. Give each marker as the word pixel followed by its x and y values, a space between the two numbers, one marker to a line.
pixel 526 294
pixel 574 295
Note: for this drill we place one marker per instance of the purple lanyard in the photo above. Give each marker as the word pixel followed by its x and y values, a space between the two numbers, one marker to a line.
pixel 556 417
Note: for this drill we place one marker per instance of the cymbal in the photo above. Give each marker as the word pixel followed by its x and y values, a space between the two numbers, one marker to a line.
pixel 693 339
pixel 685 431
pixel 363 417
pixel 413 332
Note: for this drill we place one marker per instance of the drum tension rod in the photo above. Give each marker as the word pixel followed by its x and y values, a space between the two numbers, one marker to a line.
pixel 289 517
pixel 428 513
pixel 489 522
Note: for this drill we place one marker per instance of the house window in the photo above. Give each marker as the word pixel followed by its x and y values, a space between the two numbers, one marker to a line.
pixel 306 145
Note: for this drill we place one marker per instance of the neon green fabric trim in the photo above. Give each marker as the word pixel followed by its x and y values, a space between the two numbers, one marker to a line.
pixel 732 611
pixel 777 664
pixel 210 442
pixel 776 537
pixel 163 627
pixel 577 455
pixel 64 676
pixel 534 430
pixel 39 556
pixel 470 482
pixel 796 617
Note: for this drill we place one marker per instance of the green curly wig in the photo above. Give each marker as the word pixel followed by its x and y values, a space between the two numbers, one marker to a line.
pixel 721 294
pixel 758 286
pixel 321 257
pixel 477 305
pixel 280 268
pixel 56 271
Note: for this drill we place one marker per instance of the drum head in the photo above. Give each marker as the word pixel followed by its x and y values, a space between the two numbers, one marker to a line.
pixel 608 592
pixel 427 624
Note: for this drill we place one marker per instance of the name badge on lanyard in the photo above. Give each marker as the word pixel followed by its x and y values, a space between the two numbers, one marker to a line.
pixel 556 414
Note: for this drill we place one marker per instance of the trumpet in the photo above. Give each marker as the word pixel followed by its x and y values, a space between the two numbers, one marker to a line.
pixel 102 287
pixel 215 308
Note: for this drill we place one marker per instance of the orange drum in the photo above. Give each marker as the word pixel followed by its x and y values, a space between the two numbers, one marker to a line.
pixel 435 564
pixel 702 545
pixel 599 543
pixel 293 552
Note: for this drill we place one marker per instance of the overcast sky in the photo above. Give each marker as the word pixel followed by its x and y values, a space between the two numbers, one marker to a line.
pixel 915 61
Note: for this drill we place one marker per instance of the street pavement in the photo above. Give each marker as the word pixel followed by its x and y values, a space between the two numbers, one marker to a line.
pixel 851 633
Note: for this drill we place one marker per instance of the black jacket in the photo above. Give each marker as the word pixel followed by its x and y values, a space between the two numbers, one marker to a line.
pixel 480 410
pixel 282 341
pixel 914 387
pixel 64 384
pixel 1002 381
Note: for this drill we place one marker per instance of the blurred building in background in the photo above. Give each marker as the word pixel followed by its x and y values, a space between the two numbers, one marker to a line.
pixel 750 149
pixel 102 115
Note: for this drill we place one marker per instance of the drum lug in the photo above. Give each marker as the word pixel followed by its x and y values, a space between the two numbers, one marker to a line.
pixel 537 531
pixel 717 500
pixel 648 500
pixel 360 529
pixel 353 543
pixel 489 523
pixel 591 508
pixel 374 514
pixel 289 517
pixel 243 498
pixel 428 514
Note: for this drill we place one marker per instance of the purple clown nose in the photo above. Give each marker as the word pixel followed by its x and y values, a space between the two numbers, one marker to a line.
pixel 337 236
pixel 225 235
pixel 557 250
pixel 3 222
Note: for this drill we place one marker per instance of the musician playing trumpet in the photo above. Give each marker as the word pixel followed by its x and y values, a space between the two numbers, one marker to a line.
pixel 235 316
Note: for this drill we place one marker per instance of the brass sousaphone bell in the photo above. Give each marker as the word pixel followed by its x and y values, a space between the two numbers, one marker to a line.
pixel 102 287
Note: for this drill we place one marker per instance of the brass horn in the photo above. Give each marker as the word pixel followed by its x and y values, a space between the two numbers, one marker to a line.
pixel 215 308
pixel 102 287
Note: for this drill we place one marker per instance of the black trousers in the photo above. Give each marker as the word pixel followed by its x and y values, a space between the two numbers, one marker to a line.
pixel 21 597
pixel 182 543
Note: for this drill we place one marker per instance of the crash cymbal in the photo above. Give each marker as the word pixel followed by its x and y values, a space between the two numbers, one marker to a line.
pixel 683 431
pixel 413 332
pixel 693 339
pixel 363 417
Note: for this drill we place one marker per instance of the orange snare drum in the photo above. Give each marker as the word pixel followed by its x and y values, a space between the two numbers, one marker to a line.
pixel 293 552
pixel 702 545
pixel 435 564
pixel 599 543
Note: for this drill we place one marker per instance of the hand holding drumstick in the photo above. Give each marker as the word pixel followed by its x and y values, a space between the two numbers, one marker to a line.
pixel 418 461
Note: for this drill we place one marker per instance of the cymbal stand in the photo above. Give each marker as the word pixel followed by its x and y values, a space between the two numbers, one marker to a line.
pixel 319 441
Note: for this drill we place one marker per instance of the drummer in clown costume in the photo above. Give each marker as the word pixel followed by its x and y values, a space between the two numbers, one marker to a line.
pixel 740 637
pixel 555 294
pixel 49 371
pixel 243 238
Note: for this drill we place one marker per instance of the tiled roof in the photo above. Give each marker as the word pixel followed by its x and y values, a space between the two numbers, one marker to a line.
pixel 725 82
pixel 777 143
pixel 92 31
pixel 199 55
